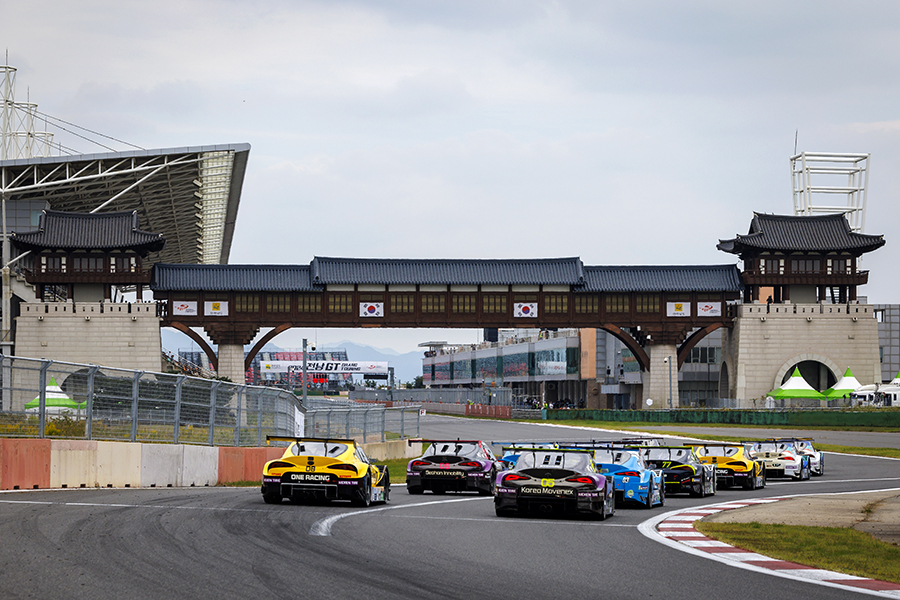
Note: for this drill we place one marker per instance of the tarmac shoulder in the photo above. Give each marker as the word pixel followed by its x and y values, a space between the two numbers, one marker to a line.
pixel 882 519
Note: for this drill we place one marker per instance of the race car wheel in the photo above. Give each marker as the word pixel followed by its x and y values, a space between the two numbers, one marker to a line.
pixel 386 482
pixel 751 482
pixel 662 495
pixel 505 512
pixel 415 489
pixel 364 494
pixel 490 490
pixel 649 502
pixel 807 471
pixel 821 470
pixel 272 498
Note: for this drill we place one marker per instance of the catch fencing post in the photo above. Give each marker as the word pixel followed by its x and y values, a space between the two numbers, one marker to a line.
pixel 259 413
pixel 89 424
pixel 135 396
pixel 212 410
pixel 177 418
pixel 237 422
pixel 42 398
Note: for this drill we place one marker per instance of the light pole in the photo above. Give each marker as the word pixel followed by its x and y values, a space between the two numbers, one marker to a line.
pixel 303 378
pixel 668 360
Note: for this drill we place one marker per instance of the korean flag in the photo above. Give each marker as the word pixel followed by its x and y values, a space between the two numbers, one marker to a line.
pixel 371 309
pixel 525 309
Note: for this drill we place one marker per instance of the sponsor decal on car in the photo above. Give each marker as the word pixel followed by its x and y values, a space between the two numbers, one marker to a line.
pixel 271 479
pixel 311 477
pixel 588 494
pixel 443 473
pixel 546 491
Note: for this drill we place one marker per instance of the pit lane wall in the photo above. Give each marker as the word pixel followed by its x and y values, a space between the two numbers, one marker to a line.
pixel 27 464
pixel 793 418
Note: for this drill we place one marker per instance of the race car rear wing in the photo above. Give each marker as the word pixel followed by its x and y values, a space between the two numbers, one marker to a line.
pixel 287 438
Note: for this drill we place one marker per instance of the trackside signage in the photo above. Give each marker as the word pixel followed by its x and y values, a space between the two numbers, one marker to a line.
pixel 324 366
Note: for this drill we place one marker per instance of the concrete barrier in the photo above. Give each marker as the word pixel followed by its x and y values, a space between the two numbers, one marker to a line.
pixel 200 466
pixel 161 465
pixel 392 449
pixel 119 464
pixel 73 463
pixel 24 464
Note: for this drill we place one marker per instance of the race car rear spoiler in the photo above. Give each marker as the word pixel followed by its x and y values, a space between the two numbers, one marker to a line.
pixel 287 438
pixel 457 441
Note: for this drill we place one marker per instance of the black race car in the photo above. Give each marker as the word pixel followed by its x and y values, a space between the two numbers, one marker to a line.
pixel 564 482
pixel 453 466
pixel 682 469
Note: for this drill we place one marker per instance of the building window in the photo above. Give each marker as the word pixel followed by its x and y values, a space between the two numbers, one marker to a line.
pixel 617 303
pixel 434 303
pixel 123 264
pixel 493 303
pixel 278 303
pixel 646 303
pixel 463 303
pixel 771 266
pixel 53 264
pixel 403 303
pixel 805 265
pixel 309 303
pixel 246 303
pixel 587 304
pixel 838 266
pixel 556 303
pixel 340 303
pixel 87 264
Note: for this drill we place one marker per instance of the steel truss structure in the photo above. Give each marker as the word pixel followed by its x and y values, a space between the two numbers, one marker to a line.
pixel 819 175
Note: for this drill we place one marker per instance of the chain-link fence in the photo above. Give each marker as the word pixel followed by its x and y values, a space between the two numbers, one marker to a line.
pixel 486 396
pixel 366 424
pixel 50 399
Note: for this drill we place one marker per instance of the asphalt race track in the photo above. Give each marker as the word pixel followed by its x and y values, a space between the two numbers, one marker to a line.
pixel 226 543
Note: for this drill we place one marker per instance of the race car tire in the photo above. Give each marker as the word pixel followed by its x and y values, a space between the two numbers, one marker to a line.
pixel 386 482
pixel 505 512
pixel 364 495
pixel 272 498
pixel 649 502
pixel 821 470
pixel 662 495
pixel 490 490
pixel 751 482
pixel 807 471
pixel 415 489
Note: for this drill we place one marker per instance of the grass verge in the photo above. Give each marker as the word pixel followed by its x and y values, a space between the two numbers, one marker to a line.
pixel 833 548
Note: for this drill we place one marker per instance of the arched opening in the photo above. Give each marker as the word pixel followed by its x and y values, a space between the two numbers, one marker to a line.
pixel 816 374
pixel 723 381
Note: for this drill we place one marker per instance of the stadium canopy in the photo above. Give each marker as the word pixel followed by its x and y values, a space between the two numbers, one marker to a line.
pixel 188 194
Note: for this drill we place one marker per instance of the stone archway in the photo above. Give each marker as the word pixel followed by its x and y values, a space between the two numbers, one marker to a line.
pixel 805 357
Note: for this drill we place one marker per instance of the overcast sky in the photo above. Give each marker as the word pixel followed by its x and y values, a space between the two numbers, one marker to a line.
pixel 620 132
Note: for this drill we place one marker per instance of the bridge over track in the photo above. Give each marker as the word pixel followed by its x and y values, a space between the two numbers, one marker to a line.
pixel 657 311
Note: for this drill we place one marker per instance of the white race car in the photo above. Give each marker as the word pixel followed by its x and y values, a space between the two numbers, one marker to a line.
pixel 781 458
pixel 816 457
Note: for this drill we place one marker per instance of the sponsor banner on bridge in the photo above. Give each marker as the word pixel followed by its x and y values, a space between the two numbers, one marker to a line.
pixel 678 309
pixel 525 309
pixel 215 309
pixel 324 366
pixel 371 309
pixel 709 309
pixel 183 308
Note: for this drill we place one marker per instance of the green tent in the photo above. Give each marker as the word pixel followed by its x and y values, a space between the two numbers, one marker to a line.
pixel 844 387
pixel 795 387
pixel 55 401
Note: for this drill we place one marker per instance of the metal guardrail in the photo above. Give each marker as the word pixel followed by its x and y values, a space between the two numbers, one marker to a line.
pixel 42 398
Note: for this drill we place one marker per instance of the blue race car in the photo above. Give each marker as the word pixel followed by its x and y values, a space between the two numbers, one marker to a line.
pixel 512 450
pixel 634 480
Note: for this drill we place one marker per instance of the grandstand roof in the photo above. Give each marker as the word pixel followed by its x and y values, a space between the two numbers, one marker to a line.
pixel 190 195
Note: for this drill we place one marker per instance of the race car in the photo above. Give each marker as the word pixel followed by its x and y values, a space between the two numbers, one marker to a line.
pixel 733 465
pixel 555 482
pixel 682 469
pixel 781 458
pixel 453 466
pixel 816 457
pixel 633 480
pixel 324 470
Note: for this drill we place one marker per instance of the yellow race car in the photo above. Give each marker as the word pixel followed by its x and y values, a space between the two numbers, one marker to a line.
pixel 324 469
pixel 734 465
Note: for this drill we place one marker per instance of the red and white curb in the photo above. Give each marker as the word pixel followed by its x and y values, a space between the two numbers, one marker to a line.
pixel 676 529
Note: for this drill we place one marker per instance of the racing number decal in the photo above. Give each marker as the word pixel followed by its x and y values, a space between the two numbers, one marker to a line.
pixel 547 483
pixel 666 464
pixel 310 468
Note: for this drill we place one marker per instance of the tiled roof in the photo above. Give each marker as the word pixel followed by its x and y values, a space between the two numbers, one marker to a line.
pixel 547 271
pixel 324 271
pixel 236 278
pixel 678 278
pixel 99 231
pixel 823 233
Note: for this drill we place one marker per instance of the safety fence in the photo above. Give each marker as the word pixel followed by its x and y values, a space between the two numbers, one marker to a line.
pixel 794 418
pixel 486 396
pixel 42 398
